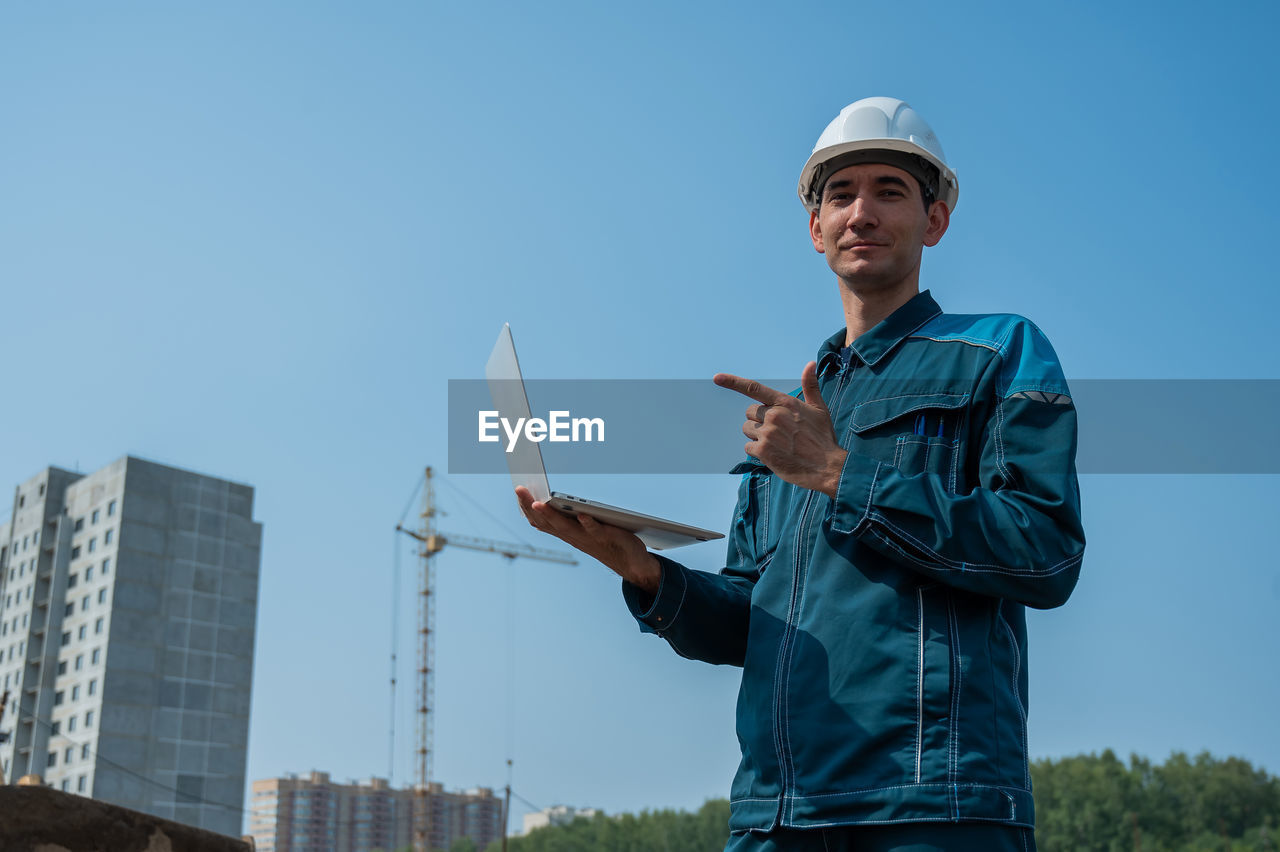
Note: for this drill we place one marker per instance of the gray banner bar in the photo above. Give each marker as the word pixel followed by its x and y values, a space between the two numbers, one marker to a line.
pixel 692 426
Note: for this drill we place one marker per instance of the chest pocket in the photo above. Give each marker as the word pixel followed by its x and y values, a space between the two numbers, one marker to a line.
pixel 916 433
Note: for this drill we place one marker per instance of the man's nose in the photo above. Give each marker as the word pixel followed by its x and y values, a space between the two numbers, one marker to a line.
pixel 860 214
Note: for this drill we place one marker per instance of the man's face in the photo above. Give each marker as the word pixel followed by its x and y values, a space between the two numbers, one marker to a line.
pixel 873 226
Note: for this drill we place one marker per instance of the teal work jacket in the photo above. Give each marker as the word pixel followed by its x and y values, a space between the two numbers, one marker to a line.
pixel 882 633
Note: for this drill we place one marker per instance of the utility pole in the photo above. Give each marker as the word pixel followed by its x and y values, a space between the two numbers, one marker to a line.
pixel 431 542
pixel 506 809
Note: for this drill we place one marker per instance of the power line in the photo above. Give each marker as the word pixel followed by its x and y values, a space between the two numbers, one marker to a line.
pixel 482 508
pixel 526 801
pixel 185 798
pixel 412 497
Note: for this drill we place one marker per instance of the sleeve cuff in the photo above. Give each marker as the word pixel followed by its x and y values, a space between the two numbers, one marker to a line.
pixel 852 506
pixel 657 612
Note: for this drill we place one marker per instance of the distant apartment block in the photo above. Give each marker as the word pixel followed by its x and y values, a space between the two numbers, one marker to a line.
pixel 313 814
pixel 555 815
pixel 128 602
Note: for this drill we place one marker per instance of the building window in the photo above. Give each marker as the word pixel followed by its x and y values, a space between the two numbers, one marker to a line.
pixel 55 729
pixel 84 603
pixel 106 537
pixel 102 595
pixel 97 656
pixel 68 754
pixel 88 574
pixel 66 785
pixel 75 693
pixel 93 684
pixel 68 609
pixel 74 578
pixel 35 536
pixel 93 545
pixel 111 508
pixel 75 552
pixel 80 784
pixel 66 637
pixel 96 514
pixel 83 632
pixel 53 759
pixel 57 698
pixel 79 524
pixel 71 723
pixel 84 752
pixel 88 719
pixel 80 661
pixel 106 566
pixel 62 667
pixel 97 626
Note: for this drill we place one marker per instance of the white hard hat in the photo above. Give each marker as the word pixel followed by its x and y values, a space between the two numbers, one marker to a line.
pixel 879 130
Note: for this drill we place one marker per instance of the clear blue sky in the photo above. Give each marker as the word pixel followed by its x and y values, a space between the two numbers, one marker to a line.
pixel 257 240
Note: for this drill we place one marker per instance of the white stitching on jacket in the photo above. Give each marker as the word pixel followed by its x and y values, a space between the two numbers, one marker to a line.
pixel 1017 695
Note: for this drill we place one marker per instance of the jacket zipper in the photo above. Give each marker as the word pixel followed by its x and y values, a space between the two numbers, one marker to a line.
pixel 782 739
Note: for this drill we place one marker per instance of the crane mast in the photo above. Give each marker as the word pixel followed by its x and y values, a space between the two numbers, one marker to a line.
pixel 430 542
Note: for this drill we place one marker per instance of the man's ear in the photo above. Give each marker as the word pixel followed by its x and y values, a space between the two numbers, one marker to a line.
pixel 939 220
pixel 815 232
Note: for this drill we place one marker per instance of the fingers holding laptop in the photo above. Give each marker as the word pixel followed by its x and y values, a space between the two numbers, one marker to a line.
pixel 618 549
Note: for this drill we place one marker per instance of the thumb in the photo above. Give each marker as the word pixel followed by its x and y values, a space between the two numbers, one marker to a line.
pixel 809 384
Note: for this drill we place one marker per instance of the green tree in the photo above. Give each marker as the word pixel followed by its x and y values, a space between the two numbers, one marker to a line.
pixel 1093 802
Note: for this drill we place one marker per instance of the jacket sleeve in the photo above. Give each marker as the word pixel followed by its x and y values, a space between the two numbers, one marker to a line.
pixel 1018 533
pixel 704 616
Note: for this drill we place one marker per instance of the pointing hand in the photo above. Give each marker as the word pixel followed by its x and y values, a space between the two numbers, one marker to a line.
pixel 793 437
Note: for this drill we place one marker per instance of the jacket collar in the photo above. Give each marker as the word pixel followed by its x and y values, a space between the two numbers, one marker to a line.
pixel 880 339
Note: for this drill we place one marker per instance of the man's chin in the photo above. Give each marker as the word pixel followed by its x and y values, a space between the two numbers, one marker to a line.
pixel 865 278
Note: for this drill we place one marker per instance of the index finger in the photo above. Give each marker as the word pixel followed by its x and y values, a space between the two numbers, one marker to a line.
pixel 751 388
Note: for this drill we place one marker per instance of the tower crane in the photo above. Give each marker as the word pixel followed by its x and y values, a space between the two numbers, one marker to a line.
pixel 430 542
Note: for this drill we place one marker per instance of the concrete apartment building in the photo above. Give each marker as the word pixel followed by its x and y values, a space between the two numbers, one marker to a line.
pixel 128 603
pixel 555 815
pixel 313 814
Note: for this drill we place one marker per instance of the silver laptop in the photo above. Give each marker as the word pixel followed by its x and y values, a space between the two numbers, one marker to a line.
pixel 506 386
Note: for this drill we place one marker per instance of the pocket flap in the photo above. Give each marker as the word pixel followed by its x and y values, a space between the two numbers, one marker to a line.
pixel 750 465
pixel 874 412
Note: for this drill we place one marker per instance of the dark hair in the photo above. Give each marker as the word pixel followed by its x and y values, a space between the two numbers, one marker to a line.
pixel 926 173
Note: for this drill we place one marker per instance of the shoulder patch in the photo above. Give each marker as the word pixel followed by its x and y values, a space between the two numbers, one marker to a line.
pixel 1042 396
pixel 1030 368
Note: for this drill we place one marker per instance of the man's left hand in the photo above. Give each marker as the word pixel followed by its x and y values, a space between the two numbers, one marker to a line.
pixel 793 437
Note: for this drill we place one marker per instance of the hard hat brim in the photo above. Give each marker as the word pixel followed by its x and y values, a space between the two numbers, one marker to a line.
pixel 813 173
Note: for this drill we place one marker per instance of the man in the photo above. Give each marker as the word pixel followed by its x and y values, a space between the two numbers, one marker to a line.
pixel 894 519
